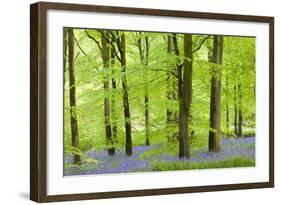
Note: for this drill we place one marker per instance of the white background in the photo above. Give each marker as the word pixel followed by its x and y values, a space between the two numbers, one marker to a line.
pixel 14 101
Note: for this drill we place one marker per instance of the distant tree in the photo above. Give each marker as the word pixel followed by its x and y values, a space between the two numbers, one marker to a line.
pixel 113 97
pixel 106 66
pixel 235 111
pixel 240 116
pixel 172 96
pixel 215 107
pixel 143 46
pixel 72 97
pixel 121 41
pixel 104 47
pixel 227 106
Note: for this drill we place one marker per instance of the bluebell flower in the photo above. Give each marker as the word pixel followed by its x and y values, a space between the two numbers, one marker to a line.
pixel 120 163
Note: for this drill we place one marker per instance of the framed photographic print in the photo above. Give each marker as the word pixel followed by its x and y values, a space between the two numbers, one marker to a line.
pixel 135 102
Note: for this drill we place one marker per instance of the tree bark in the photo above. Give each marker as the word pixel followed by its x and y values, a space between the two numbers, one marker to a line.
pixel 182 112
pixel 143 46
pixel 235 112
pixel 146 95
pixel 106 63
pixel 227 108
pixel 215 122
pixel 72 97
pixel 227 119
pixel 172 84
pixel 65 48
pixel 240 117
pixel 113 100
pixel 126 105
pixel 187 89
pixel 184 93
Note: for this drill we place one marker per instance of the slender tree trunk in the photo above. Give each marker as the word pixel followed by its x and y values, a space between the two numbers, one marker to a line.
pixel 187 88
pixel 72 96
pixel 227 108
pixel 235 111
pixel 172 84
pixel 182 111
pixel 126 96
pixel 113 98
pixel 146 95
pixel 64 48
pixel 227 120
pixel 240 117
pixel 215 129
pixel 144 53
pixel 106 63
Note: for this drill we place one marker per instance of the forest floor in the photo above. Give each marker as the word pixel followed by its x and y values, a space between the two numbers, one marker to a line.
pixel 238 152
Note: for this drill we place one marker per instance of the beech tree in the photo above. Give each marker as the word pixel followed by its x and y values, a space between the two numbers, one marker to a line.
pixel 64 48
pixel 121 41
pixel 172 95
pixel 143 46
pixel 186 100
pixel 113 97
pixel 240 117
pixel 215 117
pixel 72 97
pixel 184 93
pixel 227 107
pixel 105 50
pixel 235 112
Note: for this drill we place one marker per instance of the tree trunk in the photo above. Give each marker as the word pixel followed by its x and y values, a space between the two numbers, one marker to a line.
pixel 72 97
pixel 64 48
pixel 227 119
pixel 172 84
pixel 240 117
pixel 106 63
pixel 187 88
pixel 125 96
pixel 144 53
pixel 227 108
pixel 182 112
pixel 215 123
pixel 235 111
pixel 146 95
pixel 113 100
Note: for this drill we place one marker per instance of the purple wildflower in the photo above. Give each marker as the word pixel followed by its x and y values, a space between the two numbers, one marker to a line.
pixel 120 163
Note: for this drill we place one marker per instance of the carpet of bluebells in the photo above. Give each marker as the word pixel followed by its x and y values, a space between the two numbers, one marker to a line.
pixel 102 163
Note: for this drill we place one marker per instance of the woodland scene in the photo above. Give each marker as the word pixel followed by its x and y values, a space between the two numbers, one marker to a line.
pixel 137 101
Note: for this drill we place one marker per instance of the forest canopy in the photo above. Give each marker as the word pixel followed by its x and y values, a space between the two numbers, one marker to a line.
pixel 149 101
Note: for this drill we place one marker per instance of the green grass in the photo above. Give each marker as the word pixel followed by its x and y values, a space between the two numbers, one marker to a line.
pixel 226 163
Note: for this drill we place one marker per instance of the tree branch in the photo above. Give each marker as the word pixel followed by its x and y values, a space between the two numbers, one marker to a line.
pixel 95 40
pixel 81 49
pixel 110 42
pixel 202 42
pixel 73 60
pixel 167 71
pixel 118 41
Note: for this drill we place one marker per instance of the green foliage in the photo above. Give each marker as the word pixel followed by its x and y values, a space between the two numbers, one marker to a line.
pixel 170 148
pixel 157 77
pixel 226 163
pixel 72 150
